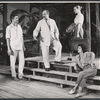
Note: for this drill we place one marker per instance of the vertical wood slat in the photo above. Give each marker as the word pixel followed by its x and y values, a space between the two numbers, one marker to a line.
pixel 98 26
pixel 88 25
pixel 33 73
pixel 97 19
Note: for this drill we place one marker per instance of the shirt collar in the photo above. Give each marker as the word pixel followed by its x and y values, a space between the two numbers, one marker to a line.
pixel 47 20
pixel 13 25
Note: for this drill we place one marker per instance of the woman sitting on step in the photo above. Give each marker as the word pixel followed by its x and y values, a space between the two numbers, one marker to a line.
pixel 84 64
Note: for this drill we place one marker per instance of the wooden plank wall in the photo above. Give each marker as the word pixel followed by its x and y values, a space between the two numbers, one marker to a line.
pixel 98 26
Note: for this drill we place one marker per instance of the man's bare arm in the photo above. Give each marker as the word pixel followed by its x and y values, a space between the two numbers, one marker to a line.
pixel 10 52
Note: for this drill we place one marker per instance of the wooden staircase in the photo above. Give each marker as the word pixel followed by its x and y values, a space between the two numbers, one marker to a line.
pixel 62 74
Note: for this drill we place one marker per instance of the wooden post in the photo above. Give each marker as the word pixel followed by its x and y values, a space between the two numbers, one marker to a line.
pixel 40 13
pixel 97 19
pixel 4 20
pixel 4 32
pixel 98 27
pixel 40 17
pixel 88 25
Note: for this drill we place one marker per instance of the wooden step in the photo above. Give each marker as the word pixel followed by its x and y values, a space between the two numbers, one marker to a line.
pixel 5 72
pixel 67 66
pixel 96 78
pixel 60 73
pixel 62 66
pixel 67 63
pixel 52 72
pixel 94 87
pixel 50 80
pixel 62 82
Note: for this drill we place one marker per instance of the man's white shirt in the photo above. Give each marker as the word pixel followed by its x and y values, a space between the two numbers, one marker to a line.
pixel 15 34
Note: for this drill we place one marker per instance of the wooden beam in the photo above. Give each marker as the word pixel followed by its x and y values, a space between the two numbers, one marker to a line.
pixel 88 25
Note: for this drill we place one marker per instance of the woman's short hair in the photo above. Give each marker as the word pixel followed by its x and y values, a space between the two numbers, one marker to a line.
pixel 84 47
pixel 78 7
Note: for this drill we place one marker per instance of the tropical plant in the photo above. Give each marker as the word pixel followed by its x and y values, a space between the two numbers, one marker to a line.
pixel 27 20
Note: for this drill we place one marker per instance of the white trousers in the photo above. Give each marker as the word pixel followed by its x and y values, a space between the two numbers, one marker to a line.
pixel 20 54
pixel 45 53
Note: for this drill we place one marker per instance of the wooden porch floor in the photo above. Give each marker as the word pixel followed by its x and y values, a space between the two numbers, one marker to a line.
pixel 35 89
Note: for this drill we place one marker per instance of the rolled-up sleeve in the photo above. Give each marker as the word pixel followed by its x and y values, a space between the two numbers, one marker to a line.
pixel 8 33
pixel 37 29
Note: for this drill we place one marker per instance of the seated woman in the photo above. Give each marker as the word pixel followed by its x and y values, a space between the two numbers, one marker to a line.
pixel 84 62
pixel 79 19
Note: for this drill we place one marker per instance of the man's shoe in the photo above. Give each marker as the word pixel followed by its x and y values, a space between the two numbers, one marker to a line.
pixel 70 59
pixel 59 62
pixel 72 91
pixel 15 78
pixel 47 69
pixel 20 77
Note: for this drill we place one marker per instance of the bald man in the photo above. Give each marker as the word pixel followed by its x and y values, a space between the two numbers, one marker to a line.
pixel 49 35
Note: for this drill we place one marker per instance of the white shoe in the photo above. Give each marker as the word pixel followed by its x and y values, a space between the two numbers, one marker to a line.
pixel 20 76
pixel 78 95
pixel 72 91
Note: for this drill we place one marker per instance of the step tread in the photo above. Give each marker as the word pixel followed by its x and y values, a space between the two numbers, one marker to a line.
pixel 5 72
pixel 50 80
pixel 60 73
pixel 52 72
pixel 95 78
pixel 94 87
pixel 66 63
pixel 71 83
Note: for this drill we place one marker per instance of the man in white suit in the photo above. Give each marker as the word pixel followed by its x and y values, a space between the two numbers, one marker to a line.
pixel 49 34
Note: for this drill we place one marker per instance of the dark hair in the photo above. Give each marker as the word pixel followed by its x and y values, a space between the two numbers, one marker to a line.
pixel 78 7
pixel 47 11
pixel 84 47
pixel 13 14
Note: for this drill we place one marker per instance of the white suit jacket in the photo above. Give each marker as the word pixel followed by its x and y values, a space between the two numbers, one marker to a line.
pixel 45 32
